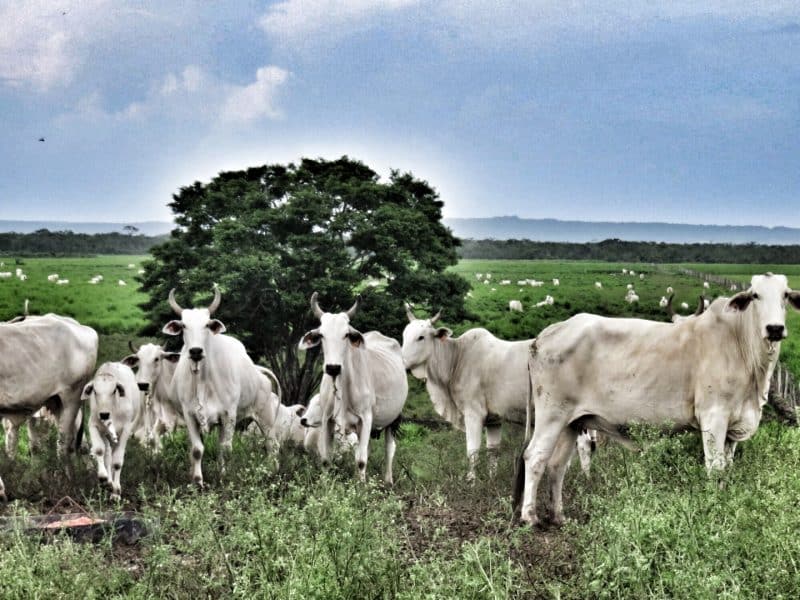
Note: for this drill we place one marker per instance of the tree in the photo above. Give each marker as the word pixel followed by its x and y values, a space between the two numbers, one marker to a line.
pixel 130 229
pixel 270 236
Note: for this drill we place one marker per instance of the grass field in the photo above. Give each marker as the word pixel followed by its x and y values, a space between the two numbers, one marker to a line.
pixel 647 525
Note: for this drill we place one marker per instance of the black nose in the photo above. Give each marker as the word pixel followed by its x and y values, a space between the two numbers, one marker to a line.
pixel 333 370
pixel 105 416
pixel 143 386
pixel 775 332
pixel 304 422
pixel 196 354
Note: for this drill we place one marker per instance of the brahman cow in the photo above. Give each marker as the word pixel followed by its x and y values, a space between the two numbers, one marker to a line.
pixel 156 368
pixel 115 408
pixel 46 361
pixel 364 385
pixel 710 372
pixel 215 381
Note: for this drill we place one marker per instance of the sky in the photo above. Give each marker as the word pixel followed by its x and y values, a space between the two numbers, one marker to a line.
pixel 620 110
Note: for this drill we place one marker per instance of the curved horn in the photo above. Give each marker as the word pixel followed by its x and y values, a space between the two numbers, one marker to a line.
pixel 133 348
pixel 409 313
pixel 352 310
pixel 215 302
pixel 670 310
pixel 436 317
pixel 318 312
pixel 701 306
pixel 174 303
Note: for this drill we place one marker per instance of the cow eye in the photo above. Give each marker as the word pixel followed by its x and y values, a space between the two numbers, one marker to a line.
pixel 755 296
pixel 420 338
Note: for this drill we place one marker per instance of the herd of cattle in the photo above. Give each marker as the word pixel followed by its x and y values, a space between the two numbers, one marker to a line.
pixel 709 372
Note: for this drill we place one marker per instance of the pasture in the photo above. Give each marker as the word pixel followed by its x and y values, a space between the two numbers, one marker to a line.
pixel 642 525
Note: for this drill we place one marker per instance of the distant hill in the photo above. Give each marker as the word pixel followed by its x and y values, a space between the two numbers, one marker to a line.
pixel 148 228
pixel 552 230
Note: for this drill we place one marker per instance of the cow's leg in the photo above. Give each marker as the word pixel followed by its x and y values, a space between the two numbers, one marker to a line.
pixel 99 453
pixel 362 449
pixel 391 446
pixel 547 430
pixel 37 431
pixel 117 459
pixel 714 426
pixel 324 441
pixel 584 444
pixel 557 467
pixel 473 425
pixel 70 404
pixel 227 426
pixel 493 436
pixel 11 425
pixel 195 449
pixel 3 496
pixel 730 450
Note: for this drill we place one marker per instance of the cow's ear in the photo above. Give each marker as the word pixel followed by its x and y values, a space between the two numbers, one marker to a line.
pixel 173 328
pixel 216 326
pixel 87 391
pixel 794 299
pixel 442 333
pixel 172 357
pixel 300 411
pixel 310 339
pixel 131 360
pixel 355 337
pixel 120 390
pixel 740 301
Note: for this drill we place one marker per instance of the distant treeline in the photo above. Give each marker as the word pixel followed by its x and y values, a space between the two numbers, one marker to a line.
pixel 60 243
pixel 621 251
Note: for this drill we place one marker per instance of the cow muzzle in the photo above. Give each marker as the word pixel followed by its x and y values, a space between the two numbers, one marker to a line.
pixel 333 370
pixel 775 333
pixel 104 416
pixel 196 354
pixel 143 386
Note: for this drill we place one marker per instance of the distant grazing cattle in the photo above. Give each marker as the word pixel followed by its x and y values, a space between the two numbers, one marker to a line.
pixel 556 282
pixel 5 275
pixel 115 408
pixel 515 305
pixel 548 300
pixel 505 282
pixel 364 385
pixel 62 282
pixel 598 285
pixel 121 282
pixel 52 277
pixel 705 284
pixel 710 373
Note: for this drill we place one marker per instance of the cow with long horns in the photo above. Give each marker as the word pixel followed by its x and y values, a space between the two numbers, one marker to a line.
pixel 676 318
pixel 215 381
pixel 364 385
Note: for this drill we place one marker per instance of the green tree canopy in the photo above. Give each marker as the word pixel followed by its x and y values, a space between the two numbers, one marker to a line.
pixel 270 236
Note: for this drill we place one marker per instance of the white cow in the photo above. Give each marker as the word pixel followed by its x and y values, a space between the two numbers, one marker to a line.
pixel 630 286
pixel 161 414
pixel 215 381
pixel 52 277
pixel 121 282
pixel 663 302
pixel 38 426
pixel 115 408
pixel 311 419
pixel 705 284
pixel 670 290
pixel 505 282
pixel 598 285
pixel 556 281
pixel 515 305
pixel 709 373
pixel 472 380
pixel 46 361
pixel 364 385
pixel 5 275
pixel 548 301
pixel 62 282
pixel 522 282
pixel 23 277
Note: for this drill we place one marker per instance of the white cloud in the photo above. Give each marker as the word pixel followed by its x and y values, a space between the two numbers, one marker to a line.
pixel 257 100
pixel 40 46
pixel 194 94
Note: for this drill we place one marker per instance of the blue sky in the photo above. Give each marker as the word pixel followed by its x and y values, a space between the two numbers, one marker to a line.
pixel 677 111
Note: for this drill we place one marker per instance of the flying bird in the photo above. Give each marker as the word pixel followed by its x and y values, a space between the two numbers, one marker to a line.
pixel 41 139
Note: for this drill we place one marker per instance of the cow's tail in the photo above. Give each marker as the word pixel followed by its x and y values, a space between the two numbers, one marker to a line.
pixel 519 467
pixel 273 377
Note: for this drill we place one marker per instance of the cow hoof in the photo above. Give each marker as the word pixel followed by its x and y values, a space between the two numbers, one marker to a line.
pixel 199 482
pixel 558 520
pixel 529 518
